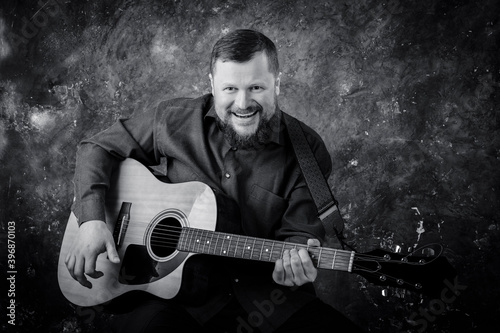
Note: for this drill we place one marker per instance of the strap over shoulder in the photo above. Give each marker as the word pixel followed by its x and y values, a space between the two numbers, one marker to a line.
pixel 328 211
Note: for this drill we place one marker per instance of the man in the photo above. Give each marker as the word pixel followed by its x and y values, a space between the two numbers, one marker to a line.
pixel 235 141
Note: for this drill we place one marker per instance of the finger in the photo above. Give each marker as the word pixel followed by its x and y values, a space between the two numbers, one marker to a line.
pixel 70 265
pixel 79 275
pixel 309 270
pixel 68 257
pixel 112 254
pixel 279 272
pixel 299 276
pixel 90 265
pixel 313 242
pixel 287 266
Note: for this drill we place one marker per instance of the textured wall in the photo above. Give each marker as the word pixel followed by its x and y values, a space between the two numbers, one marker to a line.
pixel 404 93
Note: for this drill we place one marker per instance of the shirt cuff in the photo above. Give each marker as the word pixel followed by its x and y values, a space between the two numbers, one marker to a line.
pixel 88 210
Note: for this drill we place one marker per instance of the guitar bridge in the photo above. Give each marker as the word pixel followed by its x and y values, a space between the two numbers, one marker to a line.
pixel 121 223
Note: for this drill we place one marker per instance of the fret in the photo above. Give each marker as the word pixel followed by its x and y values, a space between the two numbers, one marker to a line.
pixel 190 240
pixel 193 241
pixel 201 238
pixel 265 246
pixel 236 247
pixel 244 248
pixel 182 240
pixel 198 239
pixel 261 249
pixel 253 247
pixel 179 241
pixel 217 244
pixel 223 241
pixel 272 251
pixel 202 241
pixel 210 243
pixel 228 238
pixel 189 233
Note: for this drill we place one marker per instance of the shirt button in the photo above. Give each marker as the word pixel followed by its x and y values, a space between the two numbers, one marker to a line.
pixel 227 175
pixel 236 280
pixel 234 148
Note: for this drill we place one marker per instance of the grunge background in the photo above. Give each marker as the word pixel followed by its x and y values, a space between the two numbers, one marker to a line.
pixel 406 95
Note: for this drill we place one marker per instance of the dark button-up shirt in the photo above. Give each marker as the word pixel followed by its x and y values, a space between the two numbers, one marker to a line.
pixel 260 192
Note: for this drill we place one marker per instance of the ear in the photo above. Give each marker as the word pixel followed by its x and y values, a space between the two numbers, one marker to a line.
pixel 277 84
pixel 211 83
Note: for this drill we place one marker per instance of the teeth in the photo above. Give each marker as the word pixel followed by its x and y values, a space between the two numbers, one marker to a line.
pixel 245 115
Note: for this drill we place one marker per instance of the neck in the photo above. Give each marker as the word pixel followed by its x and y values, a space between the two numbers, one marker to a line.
pixel 244 247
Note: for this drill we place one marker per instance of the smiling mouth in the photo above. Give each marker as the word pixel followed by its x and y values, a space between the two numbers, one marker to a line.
pixel 246 115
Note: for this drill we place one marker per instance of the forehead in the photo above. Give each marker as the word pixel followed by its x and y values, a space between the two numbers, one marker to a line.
pixel 255 68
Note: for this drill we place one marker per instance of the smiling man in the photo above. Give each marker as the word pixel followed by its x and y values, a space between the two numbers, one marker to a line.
pixel 245 92
pixel 235 141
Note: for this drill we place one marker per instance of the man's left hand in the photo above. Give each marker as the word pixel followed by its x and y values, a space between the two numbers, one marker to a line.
pixel 296 267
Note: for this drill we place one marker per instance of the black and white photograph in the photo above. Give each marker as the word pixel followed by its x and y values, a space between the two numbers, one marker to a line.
pixel 246 166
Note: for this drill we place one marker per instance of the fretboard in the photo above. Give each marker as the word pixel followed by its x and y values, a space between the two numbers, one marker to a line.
pixel 252 248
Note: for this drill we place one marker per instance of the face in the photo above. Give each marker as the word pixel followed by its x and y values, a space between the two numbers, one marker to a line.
pixel 244 94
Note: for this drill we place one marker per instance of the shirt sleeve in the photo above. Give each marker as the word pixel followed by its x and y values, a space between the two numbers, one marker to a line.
pixel 99 155
pixel 300 221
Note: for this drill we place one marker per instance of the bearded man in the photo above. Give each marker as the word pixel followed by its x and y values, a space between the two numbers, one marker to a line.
pixel 235 141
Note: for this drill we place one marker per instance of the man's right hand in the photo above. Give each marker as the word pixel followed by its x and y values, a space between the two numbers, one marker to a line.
pixel 93 238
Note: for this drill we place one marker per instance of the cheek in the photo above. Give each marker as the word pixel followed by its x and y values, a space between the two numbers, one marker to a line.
pixel 268 104
pixel 222 100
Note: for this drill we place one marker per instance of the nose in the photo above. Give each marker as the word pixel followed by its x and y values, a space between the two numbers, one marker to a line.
pixel 242 100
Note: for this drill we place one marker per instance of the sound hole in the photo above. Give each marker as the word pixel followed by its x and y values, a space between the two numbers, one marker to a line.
pixel 165 236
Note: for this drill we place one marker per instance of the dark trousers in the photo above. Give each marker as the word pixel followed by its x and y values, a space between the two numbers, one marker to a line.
pixel 157 316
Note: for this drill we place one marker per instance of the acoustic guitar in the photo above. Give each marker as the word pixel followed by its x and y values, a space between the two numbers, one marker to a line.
pixel 157 226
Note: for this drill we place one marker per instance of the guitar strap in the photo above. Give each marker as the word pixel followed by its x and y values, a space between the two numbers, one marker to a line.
pixel 328 211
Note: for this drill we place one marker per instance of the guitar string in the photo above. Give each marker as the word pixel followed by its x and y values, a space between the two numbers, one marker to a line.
pixel 341 258
pixel 341 261
pixel 172 242
pixel 166 236
pixel 172 231
pixel 360 256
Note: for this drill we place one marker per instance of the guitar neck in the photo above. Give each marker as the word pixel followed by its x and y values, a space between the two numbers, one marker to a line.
pixel 252 248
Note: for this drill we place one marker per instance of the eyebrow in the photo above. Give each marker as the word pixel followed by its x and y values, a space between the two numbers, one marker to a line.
pixel 253 83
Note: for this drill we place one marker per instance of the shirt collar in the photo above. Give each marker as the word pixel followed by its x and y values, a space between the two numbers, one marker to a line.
pixel 277 135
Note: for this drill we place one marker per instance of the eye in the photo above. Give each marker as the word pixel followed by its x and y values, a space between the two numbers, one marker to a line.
pixel 256 88
pixel 229 89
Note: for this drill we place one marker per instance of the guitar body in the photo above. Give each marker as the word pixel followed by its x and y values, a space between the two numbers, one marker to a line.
pixel 138 209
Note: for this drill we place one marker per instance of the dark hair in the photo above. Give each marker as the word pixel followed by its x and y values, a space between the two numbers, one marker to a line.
pixel 241 45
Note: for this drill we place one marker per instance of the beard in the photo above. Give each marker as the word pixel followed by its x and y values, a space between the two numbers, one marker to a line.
pixel 261 136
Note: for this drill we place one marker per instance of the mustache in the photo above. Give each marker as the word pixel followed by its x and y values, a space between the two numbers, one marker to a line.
pixel 249 110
